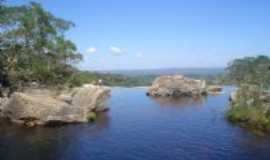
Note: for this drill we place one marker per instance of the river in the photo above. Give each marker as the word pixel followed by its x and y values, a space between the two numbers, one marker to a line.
pixel 138 127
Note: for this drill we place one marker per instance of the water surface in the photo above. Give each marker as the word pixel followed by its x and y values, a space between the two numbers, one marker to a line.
pixel 140 128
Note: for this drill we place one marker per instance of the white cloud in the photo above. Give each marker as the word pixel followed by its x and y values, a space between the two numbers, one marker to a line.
pixel 116 50
pixel 91 50
pixel 139 54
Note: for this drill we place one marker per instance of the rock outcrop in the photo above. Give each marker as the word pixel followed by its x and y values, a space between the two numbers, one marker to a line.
pixel 39 107
pixel 250 94
pixel 177 86
pixel 214 89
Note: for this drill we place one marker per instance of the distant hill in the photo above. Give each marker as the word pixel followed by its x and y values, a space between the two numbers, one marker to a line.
pixel 168 71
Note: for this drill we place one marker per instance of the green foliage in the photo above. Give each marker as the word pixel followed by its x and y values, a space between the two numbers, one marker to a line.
pixel 92 116
pixel 250 117
pixel 110 79
pixel 33 46
pixel 251 70
pixel 250 108
pixel 211 79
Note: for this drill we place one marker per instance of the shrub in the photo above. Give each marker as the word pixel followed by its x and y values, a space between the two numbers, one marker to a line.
pixel 92 116
pixel 249 109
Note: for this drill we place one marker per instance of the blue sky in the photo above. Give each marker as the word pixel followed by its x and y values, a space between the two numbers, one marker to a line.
pixel 139 34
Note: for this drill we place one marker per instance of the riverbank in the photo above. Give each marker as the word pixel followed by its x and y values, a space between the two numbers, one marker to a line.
pixel 250 108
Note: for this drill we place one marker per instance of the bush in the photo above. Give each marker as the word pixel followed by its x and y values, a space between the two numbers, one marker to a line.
pixel 249 109
pixel 92 116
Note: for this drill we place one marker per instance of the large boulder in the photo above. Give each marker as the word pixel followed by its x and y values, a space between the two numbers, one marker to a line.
pixel 44 107
pixel 91 97
pixel 177 86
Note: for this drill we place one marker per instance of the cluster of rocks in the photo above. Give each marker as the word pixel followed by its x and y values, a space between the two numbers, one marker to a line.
pixel 177 86
pixel 180 86
pixel 44 106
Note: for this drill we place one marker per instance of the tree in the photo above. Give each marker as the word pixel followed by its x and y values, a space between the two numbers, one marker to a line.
pixel 251 70
pixel 33 46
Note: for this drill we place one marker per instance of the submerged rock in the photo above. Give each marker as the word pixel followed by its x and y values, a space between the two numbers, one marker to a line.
pixel 40 107
pixel 177 86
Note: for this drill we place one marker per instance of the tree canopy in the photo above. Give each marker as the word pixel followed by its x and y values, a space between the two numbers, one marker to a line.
pixel 33 46
pixel 251 70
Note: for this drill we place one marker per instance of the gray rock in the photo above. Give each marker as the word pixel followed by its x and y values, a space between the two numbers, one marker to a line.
pixel 233 97
pixel 65 98
pixel 46 107
pixel 177 86
pixel 91 97
pixel 266 97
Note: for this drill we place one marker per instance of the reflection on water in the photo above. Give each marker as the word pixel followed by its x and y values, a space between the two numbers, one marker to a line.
pixel 45 142
pixel 137 128
pixel 180 101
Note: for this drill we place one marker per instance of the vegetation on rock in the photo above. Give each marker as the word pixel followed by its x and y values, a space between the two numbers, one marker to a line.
pixel 251 108
pixel 251 105
pixel 92 116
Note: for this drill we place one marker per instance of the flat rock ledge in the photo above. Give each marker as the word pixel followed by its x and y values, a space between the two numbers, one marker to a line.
pixel 42 106
pixel 177 86
pixel 214 89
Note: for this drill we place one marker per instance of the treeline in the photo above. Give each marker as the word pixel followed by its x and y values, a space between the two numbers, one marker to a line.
pixel 113 79
pixel 250 70
pixel 33 46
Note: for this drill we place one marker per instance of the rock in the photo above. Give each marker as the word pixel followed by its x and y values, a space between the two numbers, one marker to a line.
pixel 65 98
pixel 45 107
pixel 25 108
pixel 214 89
pixel 233 97
pixel 248 94
pixel 265 97
pixel 177 86
pixel 91 97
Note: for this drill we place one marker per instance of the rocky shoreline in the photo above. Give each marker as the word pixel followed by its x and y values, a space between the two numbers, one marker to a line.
pixel 250 108
pixel 34 105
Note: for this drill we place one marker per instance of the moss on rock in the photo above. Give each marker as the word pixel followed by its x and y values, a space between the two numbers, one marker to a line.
pixel 92 116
